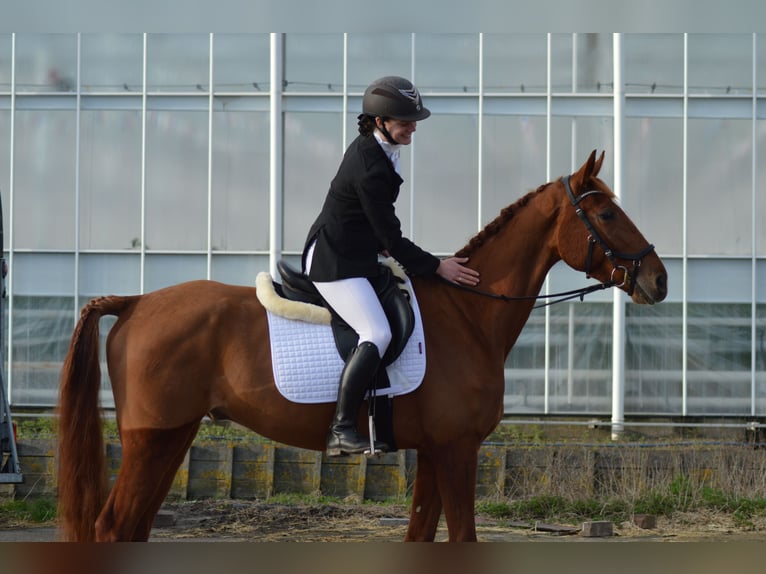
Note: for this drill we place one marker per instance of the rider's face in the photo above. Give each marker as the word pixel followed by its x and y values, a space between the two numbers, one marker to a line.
pixel 400 131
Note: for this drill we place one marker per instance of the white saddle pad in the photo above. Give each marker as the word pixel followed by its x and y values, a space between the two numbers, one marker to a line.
pixel 307 365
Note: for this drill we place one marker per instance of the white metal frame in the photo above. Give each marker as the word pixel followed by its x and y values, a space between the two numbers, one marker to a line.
pixel 622 105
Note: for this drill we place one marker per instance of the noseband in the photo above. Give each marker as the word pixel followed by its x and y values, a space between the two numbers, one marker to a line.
pixel 595 239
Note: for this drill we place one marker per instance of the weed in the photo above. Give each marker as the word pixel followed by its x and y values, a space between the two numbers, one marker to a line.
pixel 36 428
pixel 38 510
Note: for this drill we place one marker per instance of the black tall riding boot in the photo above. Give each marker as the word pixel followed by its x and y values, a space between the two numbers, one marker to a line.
pixel 355 380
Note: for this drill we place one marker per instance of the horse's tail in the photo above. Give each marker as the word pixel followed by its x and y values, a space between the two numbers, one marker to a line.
pixel 82 479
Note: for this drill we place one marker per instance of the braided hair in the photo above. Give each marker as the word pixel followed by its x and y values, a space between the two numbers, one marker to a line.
pixel 366 124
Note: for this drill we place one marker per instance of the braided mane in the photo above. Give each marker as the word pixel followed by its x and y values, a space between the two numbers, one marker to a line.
pixel 496 225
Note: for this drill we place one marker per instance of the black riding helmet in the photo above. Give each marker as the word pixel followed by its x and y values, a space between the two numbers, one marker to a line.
pixel 393 97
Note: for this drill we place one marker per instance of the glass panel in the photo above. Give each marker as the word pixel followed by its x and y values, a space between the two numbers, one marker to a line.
pixel 720 64
pixel 241 62
pixel 588 133
pixel 177 62
pixel 5 169
pixel 513 160
pixel 760 166
pixel 581 357
pixel 760 358
pixel 110 179
pixel 43 318
pixel 42 328
pixel 447 63
pixel 5 62
pixel 719 359
pixel 654 64
pixel 675 269
pixel 720 192
pixel 314 63
pixel 239 269
pixel 653 353
pixel 446 176
pixel 653 180
pixel 46 62
pixel 312 156
pixel 583 61
pixel 109 274
pixel 372 56
pixel 44 188
pixel 176 180
pixel 165 270
pixel 43 274
pixel 761 63
pixel 724 280
pixel 515 63
pixel 240 181
pixel 525 369
pixel 112 62
pixel 760 280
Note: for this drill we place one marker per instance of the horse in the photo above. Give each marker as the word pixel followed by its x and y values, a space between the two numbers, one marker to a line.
pixel 201 348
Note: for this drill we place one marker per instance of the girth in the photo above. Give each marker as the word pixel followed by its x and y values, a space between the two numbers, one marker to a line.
pixel 296 286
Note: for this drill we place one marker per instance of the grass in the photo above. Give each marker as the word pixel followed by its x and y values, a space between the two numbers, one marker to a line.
pixel 31 511
pixel 46 428
pixel 680 495
pixel 677 496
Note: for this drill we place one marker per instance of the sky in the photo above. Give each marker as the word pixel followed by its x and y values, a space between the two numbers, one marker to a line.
pixel 399 15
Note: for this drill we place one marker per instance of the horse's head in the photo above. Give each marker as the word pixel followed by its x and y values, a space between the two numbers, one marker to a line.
pixel 596 236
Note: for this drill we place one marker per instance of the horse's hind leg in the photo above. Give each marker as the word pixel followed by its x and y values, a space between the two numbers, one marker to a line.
pixel 150 460
pixel 144 527
pixel 426 503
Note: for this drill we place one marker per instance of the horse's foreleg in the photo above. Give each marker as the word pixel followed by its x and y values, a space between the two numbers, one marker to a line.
pixel 426 503
pixel 150 459
pixel 456 468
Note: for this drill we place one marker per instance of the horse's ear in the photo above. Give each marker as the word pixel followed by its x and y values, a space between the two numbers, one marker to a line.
pixel 599 161
pixel 587 170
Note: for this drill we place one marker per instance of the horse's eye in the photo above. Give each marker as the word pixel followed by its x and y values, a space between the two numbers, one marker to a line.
pixel 606 215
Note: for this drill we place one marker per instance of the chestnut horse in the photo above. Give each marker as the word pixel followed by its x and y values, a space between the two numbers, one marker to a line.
pixel 180 353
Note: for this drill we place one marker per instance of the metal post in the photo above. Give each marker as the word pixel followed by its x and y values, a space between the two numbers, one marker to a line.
pixel 142 241
pixel 209 191
pixel 77 137
pixel 275 153
pixel 685 237
pixel 754 223
pixel 547 286
pixel 618 309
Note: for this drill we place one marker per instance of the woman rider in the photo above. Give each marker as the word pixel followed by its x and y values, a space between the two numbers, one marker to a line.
pixel 356 224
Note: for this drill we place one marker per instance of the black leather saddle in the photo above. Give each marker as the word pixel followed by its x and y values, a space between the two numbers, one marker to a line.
pixel 296 286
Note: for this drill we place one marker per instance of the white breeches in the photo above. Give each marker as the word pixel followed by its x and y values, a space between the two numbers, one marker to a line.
pixel 356 302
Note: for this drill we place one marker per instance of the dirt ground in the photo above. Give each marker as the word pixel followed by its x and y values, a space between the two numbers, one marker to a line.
pixel 246 521
pixel 254 521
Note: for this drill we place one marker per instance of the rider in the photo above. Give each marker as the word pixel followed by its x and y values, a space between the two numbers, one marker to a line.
pixel 357 222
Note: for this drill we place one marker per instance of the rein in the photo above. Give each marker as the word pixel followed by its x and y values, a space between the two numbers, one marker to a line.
pixel 593 239
pixel 562 296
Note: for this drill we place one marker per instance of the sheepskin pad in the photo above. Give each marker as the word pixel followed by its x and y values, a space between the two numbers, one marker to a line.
pixel 305 361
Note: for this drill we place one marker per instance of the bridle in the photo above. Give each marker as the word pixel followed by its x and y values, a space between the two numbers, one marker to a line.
pixel 593 239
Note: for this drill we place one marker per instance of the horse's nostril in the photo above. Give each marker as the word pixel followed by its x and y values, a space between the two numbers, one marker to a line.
pixel 662 284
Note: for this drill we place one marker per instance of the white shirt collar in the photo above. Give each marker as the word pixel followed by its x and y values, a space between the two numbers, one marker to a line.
pixel 391 150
